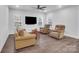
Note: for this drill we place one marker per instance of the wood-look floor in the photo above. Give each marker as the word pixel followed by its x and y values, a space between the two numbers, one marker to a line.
pixel 45 44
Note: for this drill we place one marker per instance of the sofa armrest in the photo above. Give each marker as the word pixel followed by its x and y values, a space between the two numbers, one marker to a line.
pixel 16 34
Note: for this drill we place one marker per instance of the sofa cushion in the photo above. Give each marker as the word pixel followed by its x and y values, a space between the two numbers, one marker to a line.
pixel 20 32
pixel 26 36
pixel 16 34
pixel 30 36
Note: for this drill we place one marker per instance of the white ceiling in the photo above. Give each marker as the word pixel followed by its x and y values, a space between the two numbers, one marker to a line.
pixel 33 7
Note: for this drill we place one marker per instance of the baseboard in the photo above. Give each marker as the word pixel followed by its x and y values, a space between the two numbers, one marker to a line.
pixel 76 37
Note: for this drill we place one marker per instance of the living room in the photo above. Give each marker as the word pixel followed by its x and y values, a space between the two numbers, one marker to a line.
pixel 15 15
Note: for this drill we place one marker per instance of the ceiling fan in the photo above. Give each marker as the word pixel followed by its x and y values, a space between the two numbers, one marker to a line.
pixel 39 7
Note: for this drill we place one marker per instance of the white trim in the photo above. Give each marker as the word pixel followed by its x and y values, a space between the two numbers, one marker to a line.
pixel 77 37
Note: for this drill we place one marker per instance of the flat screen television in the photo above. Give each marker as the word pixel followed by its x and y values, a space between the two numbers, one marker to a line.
pixel 30 20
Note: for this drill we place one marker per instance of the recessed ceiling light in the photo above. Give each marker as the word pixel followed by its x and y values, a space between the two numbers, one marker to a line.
pixel 17 6
pixel 59 6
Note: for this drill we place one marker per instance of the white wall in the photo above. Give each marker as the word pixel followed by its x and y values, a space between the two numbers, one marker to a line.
pixel 3 25
pixel 68 17
pixel 78 27
pixel 21 13
pixel 78 22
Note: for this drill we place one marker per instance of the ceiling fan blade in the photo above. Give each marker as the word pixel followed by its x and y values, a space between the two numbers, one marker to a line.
pixel 43 7
pixel 40 7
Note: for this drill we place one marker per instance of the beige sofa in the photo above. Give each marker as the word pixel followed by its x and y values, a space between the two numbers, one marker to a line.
pixel 58 32
pixel 24 39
